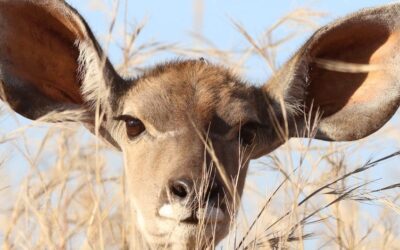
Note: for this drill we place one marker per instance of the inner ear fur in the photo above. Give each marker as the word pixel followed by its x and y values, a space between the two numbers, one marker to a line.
pixel 351 102
pixel 51 62
pixel 38 57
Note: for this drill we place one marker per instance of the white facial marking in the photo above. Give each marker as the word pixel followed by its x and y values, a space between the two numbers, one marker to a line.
pixel 167 211
pixel 175 211
pixel 168 134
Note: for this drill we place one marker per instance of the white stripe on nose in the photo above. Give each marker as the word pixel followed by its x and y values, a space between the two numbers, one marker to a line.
pixel 175 211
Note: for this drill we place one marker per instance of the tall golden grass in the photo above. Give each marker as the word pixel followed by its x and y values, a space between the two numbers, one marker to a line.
pixel 68 189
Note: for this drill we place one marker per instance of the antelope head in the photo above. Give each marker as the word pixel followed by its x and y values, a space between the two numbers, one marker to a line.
pixel 188 129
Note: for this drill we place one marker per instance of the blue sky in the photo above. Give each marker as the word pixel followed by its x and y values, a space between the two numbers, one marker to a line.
pixel 172 21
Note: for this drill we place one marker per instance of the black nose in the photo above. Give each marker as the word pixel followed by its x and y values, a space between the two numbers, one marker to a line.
pixel 181 189
pixel 214 192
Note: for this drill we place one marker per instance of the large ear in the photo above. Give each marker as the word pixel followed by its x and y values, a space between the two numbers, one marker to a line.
pixel 326 76
pixel 50 60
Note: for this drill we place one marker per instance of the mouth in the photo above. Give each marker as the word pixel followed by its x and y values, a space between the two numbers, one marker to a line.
pixel 207 215
pixel 191 220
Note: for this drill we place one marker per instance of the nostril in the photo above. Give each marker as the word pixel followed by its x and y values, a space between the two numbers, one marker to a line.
pixel 180 189
pixel 213 192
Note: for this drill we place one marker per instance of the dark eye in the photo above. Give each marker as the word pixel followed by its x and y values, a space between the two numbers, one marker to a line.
pixel 134 127
pixel 247 133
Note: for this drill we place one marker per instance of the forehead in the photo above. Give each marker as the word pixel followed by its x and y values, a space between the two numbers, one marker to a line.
pixel 189 91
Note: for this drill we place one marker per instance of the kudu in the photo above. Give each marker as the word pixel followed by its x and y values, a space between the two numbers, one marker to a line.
pixel 183 120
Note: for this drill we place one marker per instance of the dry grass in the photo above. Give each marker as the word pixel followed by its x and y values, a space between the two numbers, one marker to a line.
pixel 68 191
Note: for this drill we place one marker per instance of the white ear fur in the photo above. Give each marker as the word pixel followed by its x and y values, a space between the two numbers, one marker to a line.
pixel 94 87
